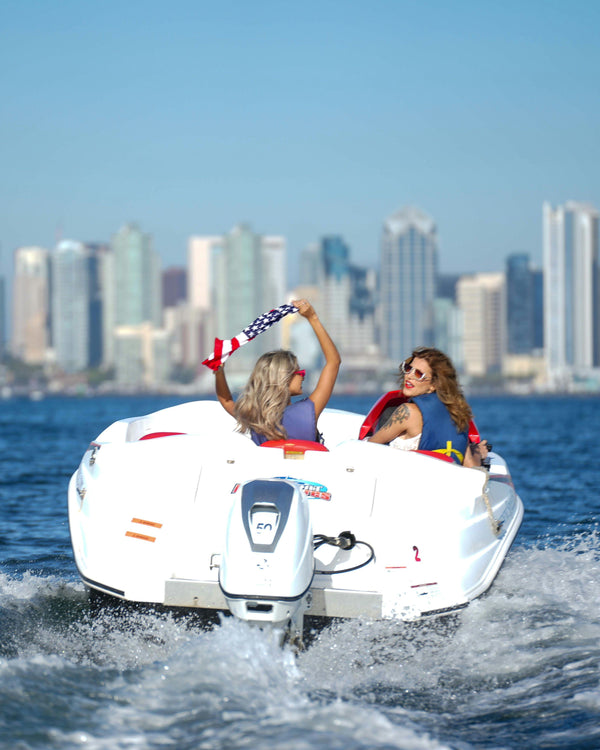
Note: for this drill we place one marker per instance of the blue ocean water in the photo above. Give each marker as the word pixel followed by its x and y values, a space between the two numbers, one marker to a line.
pixel 518 668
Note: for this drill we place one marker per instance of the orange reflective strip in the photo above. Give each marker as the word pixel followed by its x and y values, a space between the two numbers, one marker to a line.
pixel 145 538
pixel 147 523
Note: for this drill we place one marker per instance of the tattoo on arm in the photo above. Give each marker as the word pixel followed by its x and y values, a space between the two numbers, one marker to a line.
pixel 401 414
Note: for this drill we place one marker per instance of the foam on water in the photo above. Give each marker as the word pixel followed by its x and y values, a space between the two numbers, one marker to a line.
pixel 525 655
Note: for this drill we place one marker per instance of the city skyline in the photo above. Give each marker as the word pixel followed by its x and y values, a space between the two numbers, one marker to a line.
pixel 95 306
pixel 304 123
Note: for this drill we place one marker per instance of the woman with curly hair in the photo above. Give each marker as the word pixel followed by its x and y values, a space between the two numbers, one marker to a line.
pixel 265 408
pixel 435 416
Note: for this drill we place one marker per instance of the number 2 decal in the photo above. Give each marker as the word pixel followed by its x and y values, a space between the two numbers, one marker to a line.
pixel 416 551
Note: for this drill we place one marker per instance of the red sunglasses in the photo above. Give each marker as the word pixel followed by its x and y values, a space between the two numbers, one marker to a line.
pixel 302 373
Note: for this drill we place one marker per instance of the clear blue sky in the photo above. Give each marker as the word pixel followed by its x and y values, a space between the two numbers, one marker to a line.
pixel 303 119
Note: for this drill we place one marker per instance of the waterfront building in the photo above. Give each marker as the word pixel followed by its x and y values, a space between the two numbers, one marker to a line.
pixel 408 282
pixel 273 259
pixel 70 274
pixel 481 298
pixel 199 333
pixel 310 265
pixel 97 255
pixel 571 297
pixel 136 278
pixel 538 309
pixel 133 281
pixel 30 338
pixel 142 357
pixel 336 285
pixel 174 286
pixel 176 312
pixel 520 304
pixel 448 330
pixel 446 286
pixel 346 305
pixel 248 279
pixel 448 320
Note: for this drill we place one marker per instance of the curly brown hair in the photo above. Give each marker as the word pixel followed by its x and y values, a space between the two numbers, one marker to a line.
pixel 445 380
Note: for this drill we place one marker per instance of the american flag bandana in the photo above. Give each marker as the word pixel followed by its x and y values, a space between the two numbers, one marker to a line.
pixel 225 348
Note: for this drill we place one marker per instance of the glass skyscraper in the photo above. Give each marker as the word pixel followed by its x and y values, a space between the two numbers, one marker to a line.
pixel 71 306
pixel 248 279
pixel 136 278
pixel 571 299
pixel 408 282
pixel 520 304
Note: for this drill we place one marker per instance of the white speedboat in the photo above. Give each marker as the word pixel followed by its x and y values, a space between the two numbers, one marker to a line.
pixel 176 508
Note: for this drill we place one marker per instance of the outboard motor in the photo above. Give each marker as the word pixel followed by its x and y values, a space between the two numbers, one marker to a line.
pixel 267 564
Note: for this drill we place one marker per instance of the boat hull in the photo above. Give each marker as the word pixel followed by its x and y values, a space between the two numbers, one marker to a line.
pixel 152 501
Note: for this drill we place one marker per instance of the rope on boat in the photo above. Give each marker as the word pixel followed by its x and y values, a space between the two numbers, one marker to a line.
pixel 495 524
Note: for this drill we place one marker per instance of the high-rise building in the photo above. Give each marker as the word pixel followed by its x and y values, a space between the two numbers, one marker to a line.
pixel 448 330
pixel 248 279
pixel 538 309
pixel 347 303
pixel 408 282
pixel 336 290
pixel 446 286
pixel 31 294
pixel 310 270
pixel 481 298
pixel 174 286
pixel 70 273
pixel 134 302
pixel 520 304
pixel 132 273
pixel 136 278
pixel 571 298
pixel 198 330
pixel 98 254
pixel 273 252
pixel 143 357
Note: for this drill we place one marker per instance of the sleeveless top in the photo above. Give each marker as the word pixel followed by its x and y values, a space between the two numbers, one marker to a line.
pixel 406 444
pixel 439 431
pixel 299 421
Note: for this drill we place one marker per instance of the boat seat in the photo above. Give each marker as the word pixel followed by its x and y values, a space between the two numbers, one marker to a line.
pixel 382 410
pixel 152 435
pixel 294 448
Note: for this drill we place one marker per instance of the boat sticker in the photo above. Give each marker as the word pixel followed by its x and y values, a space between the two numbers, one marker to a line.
pixel 143 537
pixel 416 551
pixel 311 489
pixel 147 523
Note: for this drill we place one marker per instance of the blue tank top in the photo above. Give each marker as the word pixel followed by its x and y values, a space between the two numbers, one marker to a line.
pixel 299 421
pixel 439 428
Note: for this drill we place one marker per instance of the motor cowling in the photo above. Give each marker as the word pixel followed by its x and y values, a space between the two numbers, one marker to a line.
pixel 267 564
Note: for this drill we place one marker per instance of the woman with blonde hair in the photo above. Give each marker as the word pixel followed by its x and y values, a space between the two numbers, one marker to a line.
pixel 265 408
pixel 435 416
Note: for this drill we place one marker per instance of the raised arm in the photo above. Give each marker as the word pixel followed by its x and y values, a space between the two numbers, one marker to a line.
pixel 223 392
pixel 324 388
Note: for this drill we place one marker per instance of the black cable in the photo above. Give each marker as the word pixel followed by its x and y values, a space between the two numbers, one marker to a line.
pixel 346 540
